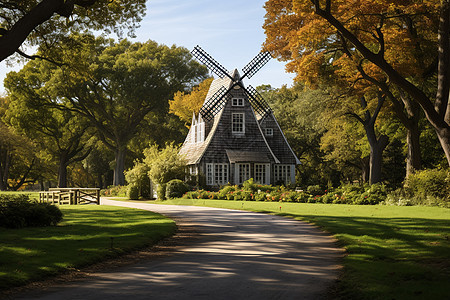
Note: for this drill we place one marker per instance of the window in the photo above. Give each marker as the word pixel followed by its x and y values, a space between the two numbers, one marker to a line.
pixel 216 174
pixel 193 170
pixel 209 174
pixel 220 174
pixel 238 123
pixel 260 173
pixel 282 173
pixel 269 132
pixel 238 102
pixel 200 128
pixel 244 172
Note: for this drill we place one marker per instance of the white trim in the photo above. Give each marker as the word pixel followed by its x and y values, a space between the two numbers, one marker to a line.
pixel 209 174
pixel 262 175
pixel 240 179
pixel 239 101
pixel 233 131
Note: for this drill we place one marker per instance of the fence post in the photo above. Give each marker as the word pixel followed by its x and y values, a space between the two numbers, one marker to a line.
pixel 98 197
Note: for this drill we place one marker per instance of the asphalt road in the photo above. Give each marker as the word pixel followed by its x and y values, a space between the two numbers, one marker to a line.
pixel 237 255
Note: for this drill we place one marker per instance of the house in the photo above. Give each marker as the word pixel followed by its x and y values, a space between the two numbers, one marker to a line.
pixel 235 137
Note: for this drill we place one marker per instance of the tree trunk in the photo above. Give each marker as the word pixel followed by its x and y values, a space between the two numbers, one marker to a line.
pixel 376 158
pixel 444 138
pixel 365 168
pixel 119 177
pixel 62 171
pixel 414 157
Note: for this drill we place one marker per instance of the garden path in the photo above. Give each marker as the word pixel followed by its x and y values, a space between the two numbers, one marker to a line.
pixel 237 255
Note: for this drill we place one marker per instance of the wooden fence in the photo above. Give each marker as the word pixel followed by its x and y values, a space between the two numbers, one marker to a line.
pixel 71 196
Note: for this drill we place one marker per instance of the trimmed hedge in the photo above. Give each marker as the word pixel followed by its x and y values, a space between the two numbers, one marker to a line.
pixel 176 188
pixel 17 211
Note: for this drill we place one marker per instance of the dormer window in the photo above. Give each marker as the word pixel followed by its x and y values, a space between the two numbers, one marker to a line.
pixel 238 101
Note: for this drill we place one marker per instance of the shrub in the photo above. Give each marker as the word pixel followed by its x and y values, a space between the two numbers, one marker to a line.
pixel 133 192
pixel 161 191
pixel 429 187
pixel 19 211
pixel 115 191
pixel 314 190
pixel 138 177
pixel 176 188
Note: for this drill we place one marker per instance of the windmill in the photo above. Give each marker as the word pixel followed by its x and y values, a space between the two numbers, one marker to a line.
pixel 217 101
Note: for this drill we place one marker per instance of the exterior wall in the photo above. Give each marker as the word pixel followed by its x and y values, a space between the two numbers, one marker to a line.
pixel 277 141
pixel 223 139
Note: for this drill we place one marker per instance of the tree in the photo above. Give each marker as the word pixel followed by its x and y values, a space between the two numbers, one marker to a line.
pixel 45 22
pixel 115 86
pixel 62 133
pixel 185 104
pixel 164 164
pixel 396 45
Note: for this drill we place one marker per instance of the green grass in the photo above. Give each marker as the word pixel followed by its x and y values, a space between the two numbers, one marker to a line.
pixel 82 238
pixel 392 252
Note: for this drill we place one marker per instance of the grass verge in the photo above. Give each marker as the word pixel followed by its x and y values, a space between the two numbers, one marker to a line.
pixel 393 252
pixel 87 234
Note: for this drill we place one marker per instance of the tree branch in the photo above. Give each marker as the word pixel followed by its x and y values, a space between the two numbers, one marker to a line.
pixel 33 57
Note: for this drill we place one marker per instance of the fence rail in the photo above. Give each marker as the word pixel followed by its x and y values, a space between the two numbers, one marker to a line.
pixel 71 196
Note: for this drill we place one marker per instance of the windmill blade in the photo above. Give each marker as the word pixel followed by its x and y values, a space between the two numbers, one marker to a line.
pixel 256 64
pixel 214 104
pixel 258 103
pixel 213 65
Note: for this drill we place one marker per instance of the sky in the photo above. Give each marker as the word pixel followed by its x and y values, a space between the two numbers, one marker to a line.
pixel 230 31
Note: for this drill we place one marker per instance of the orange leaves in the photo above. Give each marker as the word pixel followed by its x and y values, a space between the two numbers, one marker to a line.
pixel 183 105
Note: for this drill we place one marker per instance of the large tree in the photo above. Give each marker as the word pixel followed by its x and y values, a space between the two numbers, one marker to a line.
pixel 402 47
pixel 45 22
pixel 61 133
pixel 115 86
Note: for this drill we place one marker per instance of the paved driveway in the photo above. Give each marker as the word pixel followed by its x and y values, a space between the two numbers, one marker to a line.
pixel 238 255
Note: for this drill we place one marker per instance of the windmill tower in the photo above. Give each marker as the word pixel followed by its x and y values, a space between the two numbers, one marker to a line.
pixel 235 136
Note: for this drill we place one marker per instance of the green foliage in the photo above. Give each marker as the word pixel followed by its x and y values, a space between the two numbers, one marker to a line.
pixel 428 187
pixel 314 190
pixel 161 191
pixel 17 211
pixel 138 178
pixel 133 192
pixel 176 188
pixel 164 164
pixel 115 191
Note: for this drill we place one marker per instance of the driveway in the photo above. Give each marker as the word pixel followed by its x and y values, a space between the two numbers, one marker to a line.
pixel 237 255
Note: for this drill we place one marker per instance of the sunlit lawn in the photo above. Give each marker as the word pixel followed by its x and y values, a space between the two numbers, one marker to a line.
pixel 83 238
pixel 392 252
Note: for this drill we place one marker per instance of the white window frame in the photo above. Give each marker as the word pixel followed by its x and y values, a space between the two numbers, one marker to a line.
pixel 282 173
pixel 220 174
pixel 269 131
pixel 200 132
pixel 237 102
pixel 242 173
pixel 209 174
pixel 260 173
pixel 235 122
pixel 217 174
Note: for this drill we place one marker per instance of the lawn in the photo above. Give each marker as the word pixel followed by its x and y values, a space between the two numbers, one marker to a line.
pixel 392 252
pixel 87 234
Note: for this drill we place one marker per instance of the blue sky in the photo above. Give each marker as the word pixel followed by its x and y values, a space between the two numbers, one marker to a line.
pixel 231 31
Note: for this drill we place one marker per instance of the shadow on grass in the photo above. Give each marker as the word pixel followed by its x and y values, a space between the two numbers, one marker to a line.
pixel 87 235
pixel 405 258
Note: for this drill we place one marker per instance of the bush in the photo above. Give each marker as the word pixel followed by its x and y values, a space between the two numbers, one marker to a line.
pixel 176 188
pixel 133 192
pixel 19 211
pixel 161 191
pixel 314 190
pixel 115 191
pixel 429 187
